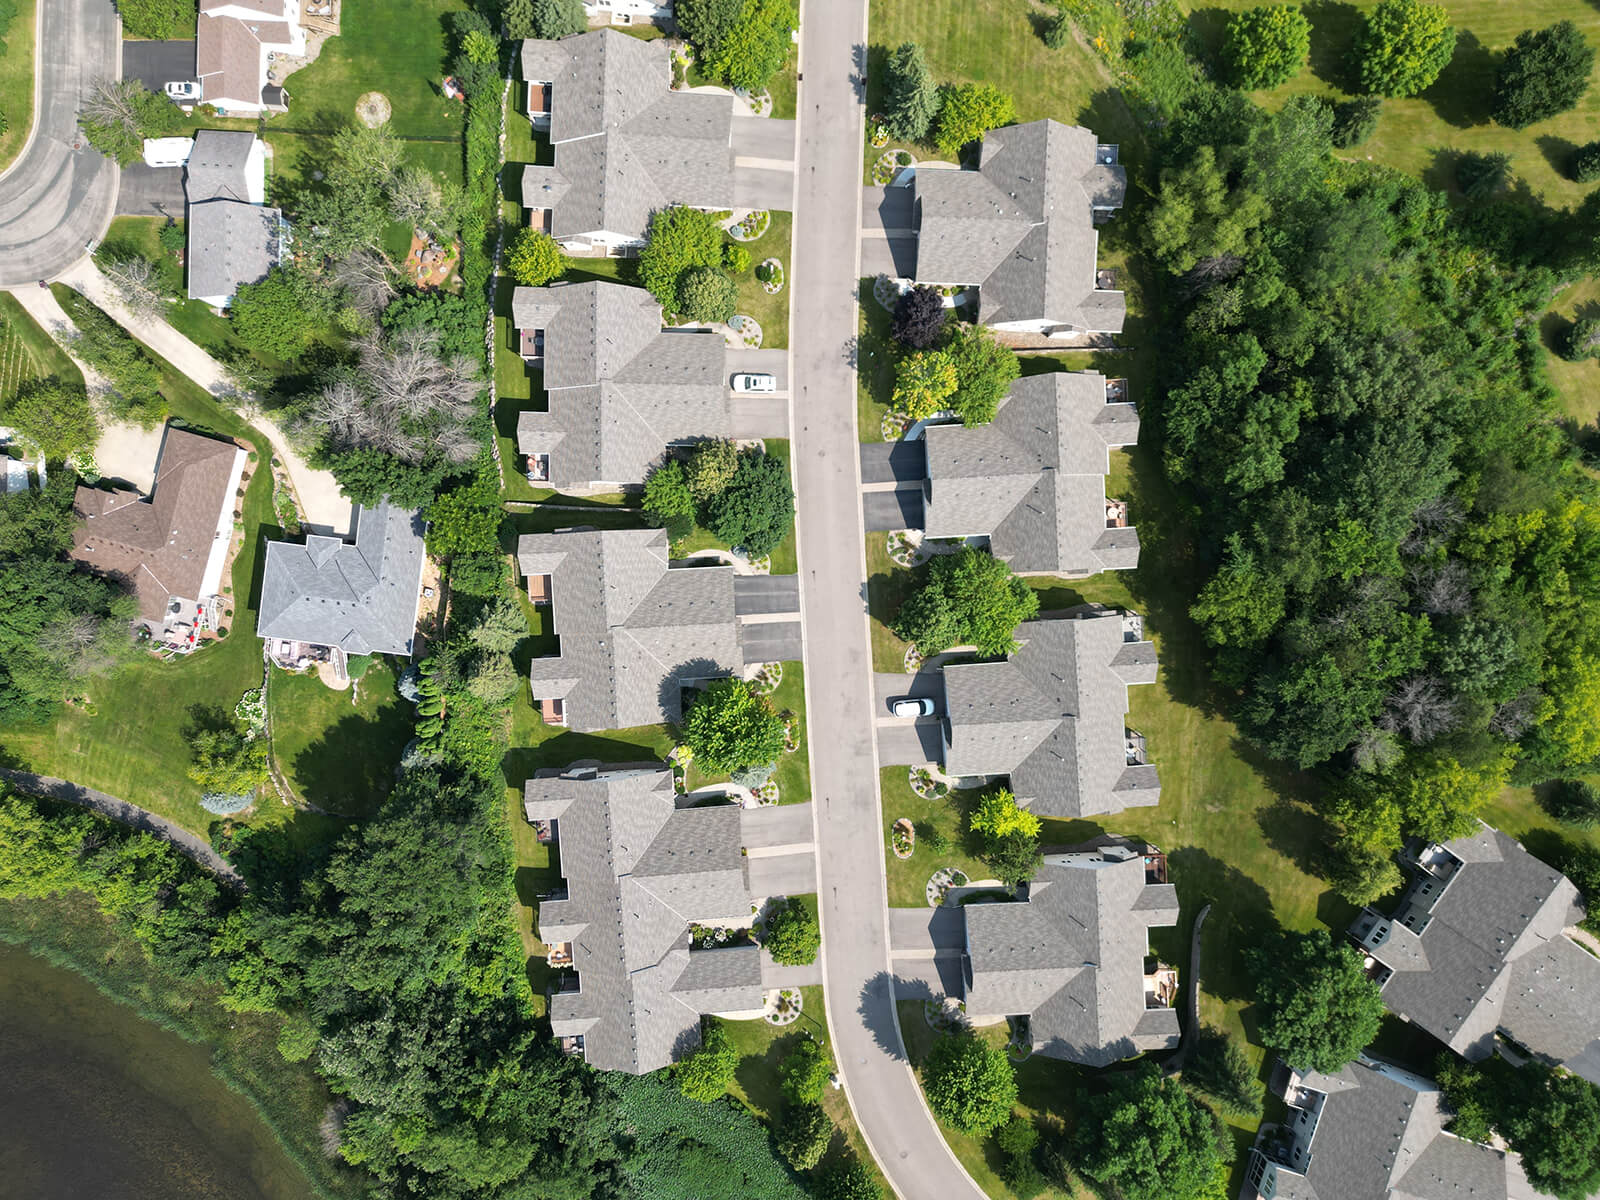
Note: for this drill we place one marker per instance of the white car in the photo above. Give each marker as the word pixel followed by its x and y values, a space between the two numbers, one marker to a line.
pixel 754 383
pixel 912 706
pixel 183 90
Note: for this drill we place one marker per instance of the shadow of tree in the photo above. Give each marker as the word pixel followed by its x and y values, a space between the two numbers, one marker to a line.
pixel 1558 152
pixel 351 768
pixel 520 762
pixel 1334 26
pixel 1241 918
pixel 1462 94
pixel 875 1004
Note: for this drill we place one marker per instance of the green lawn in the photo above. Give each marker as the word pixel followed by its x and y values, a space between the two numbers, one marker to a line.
pixel 1577 383
pixel 875 357
pixel 397 47
pixel 16 83
pixel 46 355
pixel 794 769
pixel 908 878
pixel 1453 114
pixel 339 748
pixel 771 311
pixel 888 586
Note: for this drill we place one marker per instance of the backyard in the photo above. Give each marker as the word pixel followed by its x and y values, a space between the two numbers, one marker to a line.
pixel 338 749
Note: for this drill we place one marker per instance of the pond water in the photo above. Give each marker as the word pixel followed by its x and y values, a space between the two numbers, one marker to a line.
pixel 96 1102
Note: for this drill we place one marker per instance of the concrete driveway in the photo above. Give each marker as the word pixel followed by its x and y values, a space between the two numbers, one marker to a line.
pixel 151 192
pixel 60 193
pixel 759 594
pixel 887 212
pixel 894 462
pixel 156 64
pixel 760 417
pixel 781 874
pixel 888 685
pixel 763 142
pixel 742 360
pixel 894 257
pixel 900 508
pixel 771 641
pixel 926 932
pixel 772 825
pixel 910 743
pixel 763 187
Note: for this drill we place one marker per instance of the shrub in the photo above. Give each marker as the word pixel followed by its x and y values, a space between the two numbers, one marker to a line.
pixel 1402 47
pixel 1354 121
pixel 171 237
pixel 534 258
pixel 1266 46
pixel 1582 340
pixel 793 934
pixel 919 318
pixel 736 258
pixel 967 111
pixel 1018 1140
pixel 558 18
pixel 1056 30
pixel 969 1083
pixel 730 726
pixel 1584 165
pixel 803 1135
pixel 848 1179
pixel 805 1071
pixel 705 1074
pixel 707 294
pixel 1545 72
pixel 1480 176
pixel 1574 802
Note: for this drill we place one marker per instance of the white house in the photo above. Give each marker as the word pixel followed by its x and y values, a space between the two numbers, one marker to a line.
pixel 235 43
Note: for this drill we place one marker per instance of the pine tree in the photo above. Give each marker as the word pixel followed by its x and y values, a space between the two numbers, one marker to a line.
pixel 911 98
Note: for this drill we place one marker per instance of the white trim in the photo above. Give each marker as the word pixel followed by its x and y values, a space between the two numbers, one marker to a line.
pixel 211 580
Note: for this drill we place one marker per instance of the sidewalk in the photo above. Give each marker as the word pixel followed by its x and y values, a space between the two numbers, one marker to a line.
pixel 321 502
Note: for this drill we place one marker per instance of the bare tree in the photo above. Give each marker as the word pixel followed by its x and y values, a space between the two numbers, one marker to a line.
pixel 135 282
pixel 1422 708
pixel 113 102
pixel 406 400
pixel 1433 522
pixel 340 408
pixel 1518 714
pixel 1443 591
pixel 416 198
pixel 367 280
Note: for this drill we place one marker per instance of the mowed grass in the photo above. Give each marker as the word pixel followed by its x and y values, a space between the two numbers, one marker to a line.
pixel 16 83
pixel 397 47
pixel 1453 114
pixel 771 312
pixel 17 362
pixel 46 355
pixel 1576 383
pixel 338 749
pixel 908 877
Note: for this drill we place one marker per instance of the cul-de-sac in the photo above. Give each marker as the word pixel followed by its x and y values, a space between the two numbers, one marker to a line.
pixel 765 599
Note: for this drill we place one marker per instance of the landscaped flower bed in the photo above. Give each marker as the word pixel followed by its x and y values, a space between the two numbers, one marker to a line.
pixel 751 227
pixel 902 550
pixel 783 1007
pixel 893 426
pixel 913 660
pixel 903 838
pixel 747 330
pixel 925 785
pixel 886 292
pixel 769 272
pixel 940 883
pixel 879 133
pixel 768 677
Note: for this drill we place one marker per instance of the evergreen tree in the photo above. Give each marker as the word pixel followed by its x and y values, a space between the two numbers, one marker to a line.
pixel 558 18
pixel 1545 72
pixel 910 97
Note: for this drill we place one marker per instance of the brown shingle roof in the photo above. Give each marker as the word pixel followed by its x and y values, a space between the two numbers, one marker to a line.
pixel 160 545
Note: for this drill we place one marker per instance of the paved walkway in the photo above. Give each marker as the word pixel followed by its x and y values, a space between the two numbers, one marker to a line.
pixel 58 196
pixel 883 1092
pixel 131 815
pixel 321 503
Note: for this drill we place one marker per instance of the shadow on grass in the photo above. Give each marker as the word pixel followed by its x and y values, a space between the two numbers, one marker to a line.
pixel 350 768
pixel 1241 918
pixel 520 762
pixel 1462 93
pixel 1334 27
pixel 1558 152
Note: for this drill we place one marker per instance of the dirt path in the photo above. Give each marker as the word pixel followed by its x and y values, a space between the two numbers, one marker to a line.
pixel 321 502
pixel 131 815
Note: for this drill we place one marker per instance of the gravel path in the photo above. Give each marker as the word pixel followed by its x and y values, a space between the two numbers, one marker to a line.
pixel 127 814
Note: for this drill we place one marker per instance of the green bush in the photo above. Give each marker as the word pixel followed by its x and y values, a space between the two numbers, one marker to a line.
pixel 1545 72
pixel 1056 30
pixel 1266 46
pixel 736 258
pixel 1582 340
pixel 969 1083
pixel 707 294
pixel 1574 802
pixel 1354 121
pixel 1584 165
pixel 756 510
pixel 803 1135
pixel 1402 47
pixel 534 258
pixel 805 1071
pixel 793 934
pixel 705 1074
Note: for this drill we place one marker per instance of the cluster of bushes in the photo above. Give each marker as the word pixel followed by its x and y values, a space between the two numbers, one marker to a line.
pixel 947 364
pixel 969 598
pixel 133 376
pixel 1008 837
pixel 915 109
pixel 742 496
pixel 689 267
pixel 742 43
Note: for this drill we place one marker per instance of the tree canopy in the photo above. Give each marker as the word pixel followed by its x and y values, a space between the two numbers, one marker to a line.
pixel 969 1083
pixel 754 48
pixel 755 510
pixel 1147 1137
pixel 967 111
pixel 997 816
pixel 705 1074
pixel 1266 46
pixel 534 258
pixel 910 97
pixel 281 314
pixel 707 294
pixel 919 318
pixel 678 239
pixel 706 22
pixel 969 599
pixel 1402 47
pixel 156 20
pixel 1549 1117
pixel 793 934
pixel 805 1071
pixel 1319 1009
pixel 730 725
pixel 1545 72
pixel 52 414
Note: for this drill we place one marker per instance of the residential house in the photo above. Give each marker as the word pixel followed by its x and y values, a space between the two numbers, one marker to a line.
pixel 1021 229
pixel 625 143
pixel 235 42
pixel 1052 716
pixel 1071 954
pixel 1372 1131
pixel 635 631
pixel 620 389
pixel 638 872
pixel 233 238
pixel 169 547
pixel 1478 948
pixel 1032 481
pixel 331 598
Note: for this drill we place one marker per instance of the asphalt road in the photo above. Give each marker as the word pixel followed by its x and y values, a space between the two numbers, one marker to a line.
pixel 883 1092
pixel 55 199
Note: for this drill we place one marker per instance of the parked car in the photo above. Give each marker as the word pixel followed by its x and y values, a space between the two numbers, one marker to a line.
pixel 912 706
pixel 745 382
pixel 184 91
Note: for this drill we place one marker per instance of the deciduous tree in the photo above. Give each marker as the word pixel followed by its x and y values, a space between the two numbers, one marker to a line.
pixel 52 414
pixel 678 240
pixel 919 318
pixel 803 1134
pixel 281 314
pixel 967 111
pixel 1266 46
pixel 969 1083
pixel 534 258
pixel 730 725
pixel 706 22
pixel 1319 1009
pixel 1148 1138
pixel 1402 47
pixel 997 816
pixel 923 381
pixel 985 370
pixel 793 934
pixel 805 1071
pixel 985 604
pixel 756 46
pixel 756 510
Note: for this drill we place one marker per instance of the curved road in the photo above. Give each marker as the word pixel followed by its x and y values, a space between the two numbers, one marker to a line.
pixel 851 892
pixel 132 815
pixel 55 199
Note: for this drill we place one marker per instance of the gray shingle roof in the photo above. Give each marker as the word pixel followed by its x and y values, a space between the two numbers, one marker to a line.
pixel 1491 954
pixel 231 243
pixel 1379 1135
pixel 216 166
pixel 360 595
pixel 633 633
pixel 1021 227
pixel 639 871
pixel 619 387
pixel 1071 956
pixel 1052 717
pixel 625 144
pixel 1033 479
